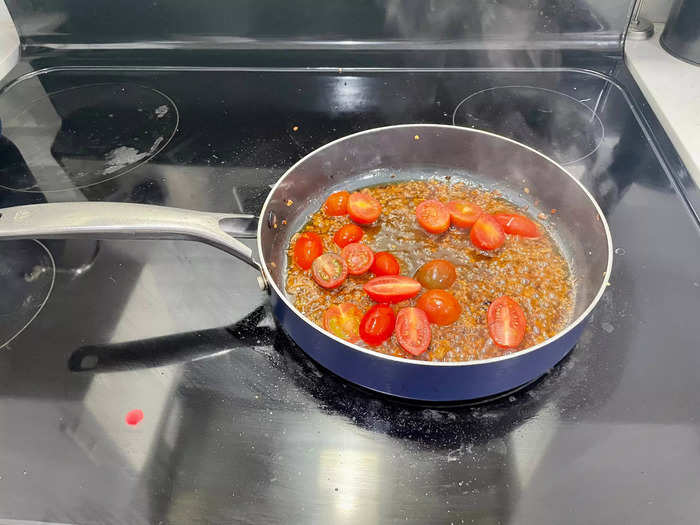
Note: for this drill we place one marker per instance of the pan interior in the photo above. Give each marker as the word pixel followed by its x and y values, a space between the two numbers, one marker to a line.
pixel 451 154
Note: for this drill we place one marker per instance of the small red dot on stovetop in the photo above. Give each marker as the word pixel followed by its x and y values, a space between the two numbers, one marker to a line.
pixel 134 417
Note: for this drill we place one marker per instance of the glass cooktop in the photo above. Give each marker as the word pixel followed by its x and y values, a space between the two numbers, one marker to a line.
pixel 239 426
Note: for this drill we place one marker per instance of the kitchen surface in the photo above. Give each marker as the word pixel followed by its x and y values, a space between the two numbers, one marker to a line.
pixel 239 425
pixel 672 87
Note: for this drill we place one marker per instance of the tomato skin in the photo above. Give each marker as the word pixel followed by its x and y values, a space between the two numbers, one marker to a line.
pixel 433 216
pixel 385 264
pixel 440 306
pixel 336 203
pixel 413 330
pixel 329 270
pixel 464 213
pixel 437 273
pixel 343 320
pixel 391 288
pixel 517 225
pixel 347 234
pixel 487 233
pixel 377 324
pixel 359 257
pixel 506 322
pixel 306 248
pixel 363 208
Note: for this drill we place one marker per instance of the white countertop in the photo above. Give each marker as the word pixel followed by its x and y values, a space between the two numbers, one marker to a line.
pixel 672 88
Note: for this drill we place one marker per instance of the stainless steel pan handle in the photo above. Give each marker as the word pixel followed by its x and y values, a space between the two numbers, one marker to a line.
pixel 116 220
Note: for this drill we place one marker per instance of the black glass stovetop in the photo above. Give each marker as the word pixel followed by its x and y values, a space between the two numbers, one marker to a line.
pixel 239 426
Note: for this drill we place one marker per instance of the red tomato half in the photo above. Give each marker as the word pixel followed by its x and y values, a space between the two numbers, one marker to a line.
pixel 385 264
pixel 329 270
pixel 433 216
pixel 343 320
pixel 463 213
pixel 363 208
pixel 440 306
pixel 506 322
pixel 359 257
pixel 337 203
pixel 517 225
pixel 391 288
pixel 413 330
pixel 307 247
pixel 347 234
pixel 487 233
pixel 377 324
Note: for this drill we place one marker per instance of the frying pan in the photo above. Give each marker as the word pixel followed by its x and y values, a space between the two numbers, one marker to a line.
pixel 388 154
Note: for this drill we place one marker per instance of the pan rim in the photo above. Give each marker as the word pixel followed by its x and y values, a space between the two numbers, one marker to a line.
pixel 572 325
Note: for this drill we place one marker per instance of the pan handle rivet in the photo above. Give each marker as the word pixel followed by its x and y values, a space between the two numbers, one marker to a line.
pixel 271 220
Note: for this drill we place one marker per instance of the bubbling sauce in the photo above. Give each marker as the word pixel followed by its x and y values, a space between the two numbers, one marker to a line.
pixel 531 271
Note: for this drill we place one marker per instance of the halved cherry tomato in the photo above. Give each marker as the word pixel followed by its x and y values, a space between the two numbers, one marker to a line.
pixel 440 306
pixel 437 273
pixel 413 330
pixel 385 264
pixel 377 325
pixel 359 257
pixel 391 288
pixel 306 248
pixel 347 234
pixel 517 225
pixel 337 203
pixel 363 208
pixel 463 213
pixel 487 233
pixel 506 322
pixel 329 270
pixel 343 320
pixel 433 216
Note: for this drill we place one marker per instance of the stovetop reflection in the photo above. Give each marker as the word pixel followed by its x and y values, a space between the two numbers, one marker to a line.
pixel 366 452
pixel 27 272
pixel 246 333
